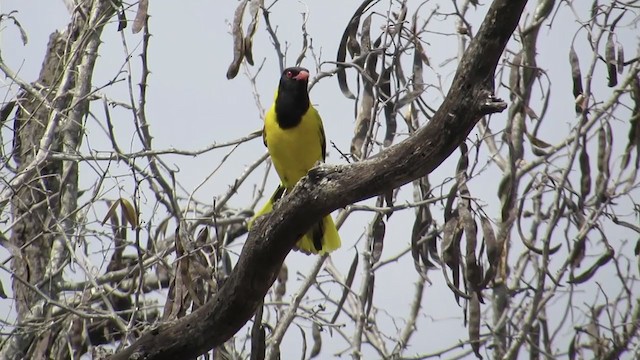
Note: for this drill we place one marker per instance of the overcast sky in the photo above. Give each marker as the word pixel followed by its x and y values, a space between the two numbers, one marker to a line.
pixel 191 104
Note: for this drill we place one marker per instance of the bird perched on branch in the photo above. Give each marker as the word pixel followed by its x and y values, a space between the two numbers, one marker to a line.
pixel 294 135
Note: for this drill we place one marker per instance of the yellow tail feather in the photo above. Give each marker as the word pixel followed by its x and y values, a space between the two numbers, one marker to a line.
pixel 330 239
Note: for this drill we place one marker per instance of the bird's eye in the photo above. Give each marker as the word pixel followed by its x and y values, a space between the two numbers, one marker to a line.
pixel 289 74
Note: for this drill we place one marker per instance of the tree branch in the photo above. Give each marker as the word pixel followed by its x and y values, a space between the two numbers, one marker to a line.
pixel 327 188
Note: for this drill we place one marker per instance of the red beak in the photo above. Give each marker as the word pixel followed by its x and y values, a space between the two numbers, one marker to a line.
pixel 302 75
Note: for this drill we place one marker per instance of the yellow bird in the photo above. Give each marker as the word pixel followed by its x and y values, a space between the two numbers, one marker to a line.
pixel 294 135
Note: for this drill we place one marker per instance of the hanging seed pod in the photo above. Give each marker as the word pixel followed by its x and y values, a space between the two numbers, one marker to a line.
pixel 254 9
pixel 585 172
pixel 576 75
pixel 347 287
pixel 610 58
pixel 238 41
pixel 474 324
pixel 620 58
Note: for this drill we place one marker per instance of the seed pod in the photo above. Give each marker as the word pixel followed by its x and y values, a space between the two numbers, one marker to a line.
pixel 610 58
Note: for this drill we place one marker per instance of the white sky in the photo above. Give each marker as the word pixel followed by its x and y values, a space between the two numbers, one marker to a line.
pixel 191 104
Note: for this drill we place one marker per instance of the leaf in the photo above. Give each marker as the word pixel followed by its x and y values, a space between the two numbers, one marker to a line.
pixel 141 16
pixel 347 286
pixel 111 213
pixel 129 213
pixel 610 59
pixel 238 41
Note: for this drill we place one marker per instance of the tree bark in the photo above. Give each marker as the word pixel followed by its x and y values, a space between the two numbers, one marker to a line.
pixel 327 188
pixel 33 208
pixel 44 203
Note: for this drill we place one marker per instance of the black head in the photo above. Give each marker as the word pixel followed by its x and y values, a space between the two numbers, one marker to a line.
pixel 294 79
pixel 293 99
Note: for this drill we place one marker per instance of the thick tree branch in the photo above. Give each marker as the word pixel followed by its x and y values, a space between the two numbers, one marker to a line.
pixel 327 188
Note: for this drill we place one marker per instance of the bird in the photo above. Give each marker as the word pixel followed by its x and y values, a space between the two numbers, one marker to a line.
pixel 294 136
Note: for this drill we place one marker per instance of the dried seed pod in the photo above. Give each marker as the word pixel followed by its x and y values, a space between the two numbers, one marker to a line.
pixel 378 229
pixel 141 16
pixel 474 324
pixel 238 41
pixel 576 74
pixel 585 172
pixel 588 274
pixel 317 340
pixel 610 58
pixel 254 9
pixel 620 58
pixel 514 76
pixel 348 282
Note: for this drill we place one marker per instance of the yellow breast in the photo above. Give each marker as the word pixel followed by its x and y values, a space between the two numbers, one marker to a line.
pixel 295 150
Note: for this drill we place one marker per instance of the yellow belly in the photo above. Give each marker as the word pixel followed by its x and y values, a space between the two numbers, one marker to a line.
pixel 295 150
